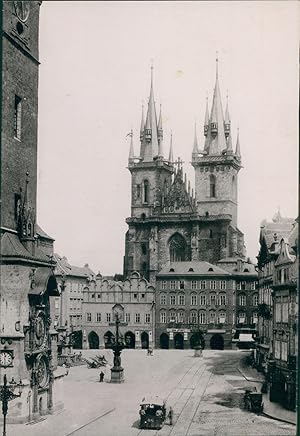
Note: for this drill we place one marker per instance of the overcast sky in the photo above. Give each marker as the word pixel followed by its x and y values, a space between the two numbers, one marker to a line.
pixel 95 73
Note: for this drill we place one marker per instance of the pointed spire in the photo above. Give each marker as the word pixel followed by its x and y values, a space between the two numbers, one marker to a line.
pixel 131 150
pixel 160 134
pixel 151 148
pixel 142 124
pixel 206 120
pixel 238 148
pixel 171 156
pixel 195 149
pixel 215 141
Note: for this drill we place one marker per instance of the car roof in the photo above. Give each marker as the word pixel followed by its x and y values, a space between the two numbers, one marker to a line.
pixel 153 399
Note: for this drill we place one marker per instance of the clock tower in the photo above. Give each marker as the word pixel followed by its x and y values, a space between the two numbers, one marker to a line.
pixel 27 339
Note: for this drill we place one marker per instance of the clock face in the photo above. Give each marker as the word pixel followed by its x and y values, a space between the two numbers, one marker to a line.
pixel 41 372
pixel 6 359
pixel 22 10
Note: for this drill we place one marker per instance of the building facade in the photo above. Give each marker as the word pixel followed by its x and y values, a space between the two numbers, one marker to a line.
pixel 71 281
pixel 270 235
pixel 132 300
pixel 28 340
pixel 198 303
pixel 171 222
pixel 282 369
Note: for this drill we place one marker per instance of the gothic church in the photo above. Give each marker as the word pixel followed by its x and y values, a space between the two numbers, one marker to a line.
pixel 171 222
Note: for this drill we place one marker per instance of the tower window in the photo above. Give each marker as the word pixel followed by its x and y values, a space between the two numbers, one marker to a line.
pixel 146 191
pixel 144 249
pixel 210 233
pixel 212 186
pixel 178 248
pixel 17 117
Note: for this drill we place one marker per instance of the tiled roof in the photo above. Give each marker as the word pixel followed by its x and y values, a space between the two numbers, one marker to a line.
pixel 192 267
pixel 282 229
pixel 63 267
pixel 11 246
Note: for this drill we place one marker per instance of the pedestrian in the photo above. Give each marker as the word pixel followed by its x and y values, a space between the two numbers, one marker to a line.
pixel 101 376
pixel 170 416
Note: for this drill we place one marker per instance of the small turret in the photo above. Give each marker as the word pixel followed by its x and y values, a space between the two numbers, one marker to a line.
pixel 238 148
pixel 171 155
pixel 131 149
pixel 229 144
pixel 160 135
pixel 142 128
pixel 206 120
pixel 195 148
pixel 227 120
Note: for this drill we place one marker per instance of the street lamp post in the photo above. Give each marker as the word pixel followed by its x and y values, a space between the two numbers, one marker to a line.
pixel 7 394
pixel 117 372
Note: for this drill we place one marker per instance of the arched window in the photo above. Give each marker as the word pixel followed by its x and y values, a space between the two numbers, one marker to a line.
pixel 146 191
pixel 210 233
pixel 212 186
pixel 193 317
pixel 255 299
pixel 242 300
pixel 178 248
pixel 202 318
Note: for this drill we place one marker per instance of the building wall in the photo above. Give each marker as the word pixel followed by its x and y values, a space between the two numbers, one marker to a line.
pixel 20 77
pixel 102 299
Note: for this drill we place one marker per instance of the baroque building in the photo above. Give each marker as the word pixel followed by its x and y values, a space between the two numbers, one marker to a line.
pixel 132 300
pixel 282 369
pixel 270 236
pixel 171 222
pixel 28 340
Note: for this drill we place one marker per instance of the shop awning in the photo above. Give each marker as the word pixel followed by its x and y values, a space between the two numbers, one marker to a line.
pixel 244 337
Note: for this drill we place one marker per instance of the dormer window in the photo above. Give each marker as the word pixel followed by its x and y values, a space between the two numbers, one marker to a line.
pixel 172 270
pixel 191 269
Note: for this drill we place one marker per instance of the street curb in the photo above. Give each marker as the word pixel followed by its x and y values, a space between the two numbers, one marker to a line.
pixel 278 419
pixel 263 413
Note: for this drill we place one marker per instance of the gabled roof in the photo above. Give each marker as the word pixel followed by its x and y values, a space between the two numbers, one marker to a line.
pixel 192 268
pixel 40 232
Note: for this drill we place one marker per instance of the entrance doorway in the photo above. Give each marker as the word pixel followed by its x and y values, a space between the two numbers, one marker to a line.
pixel 217 342
pixel 93 339
pixel 197 339
pixel 178 341
pixel 109 339
pixel 145 340
pixel 164 341
pixel 129 340
pixel 77 339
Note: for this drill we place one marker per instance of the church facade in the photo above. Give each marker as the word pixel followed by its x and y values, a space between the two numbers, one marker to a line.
pixel 28 340
pixel 171 222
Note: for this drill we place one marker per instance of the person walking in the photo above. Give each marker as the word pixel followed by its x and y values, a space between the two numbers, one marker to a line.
pixel 170 416
pixel 101 376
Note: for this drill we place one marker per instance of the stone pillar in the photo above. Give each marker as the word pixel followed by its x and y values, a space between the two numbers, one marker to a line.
pixel 186 344
pixel 85 345
pixel 151 343
pixel 138 343
pixel 101 342
pixel 171 340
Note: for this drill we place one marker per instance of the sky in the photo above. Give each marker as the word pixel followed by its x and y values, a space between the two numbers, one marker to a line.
pixel 94 75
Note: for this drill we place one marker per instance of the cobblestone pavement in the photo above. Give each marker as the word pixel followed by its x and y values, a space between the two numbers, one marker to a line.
pixel 206 395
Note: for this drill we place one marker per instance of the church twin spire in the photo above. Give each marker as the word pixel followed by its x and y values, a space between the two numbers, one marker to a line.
pixel 151 131
pixel 217 128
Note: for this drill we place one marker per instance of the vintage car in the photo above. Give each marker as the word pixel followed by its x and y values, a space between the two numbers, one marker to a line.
pixel 152 412
pixel 253 400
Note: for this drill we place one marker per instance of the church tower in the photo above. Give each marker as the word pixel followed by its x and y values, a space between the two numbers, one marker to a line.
pixel 168 223
pixel 216 175
pixel 28 346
